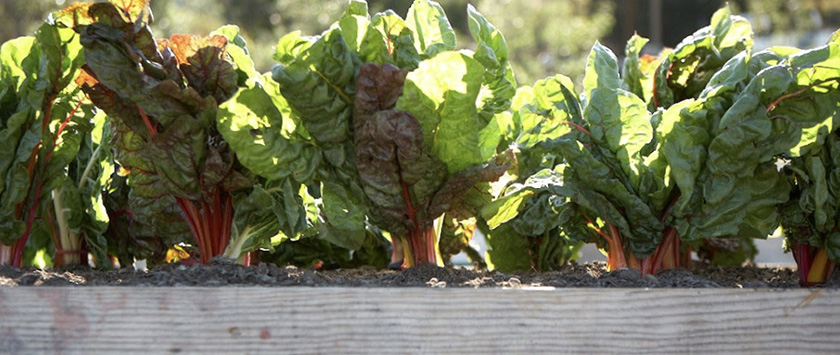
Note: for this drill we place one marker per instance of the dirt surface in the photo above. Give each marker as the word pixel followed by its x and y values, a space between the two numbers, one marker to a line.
pixel 220 273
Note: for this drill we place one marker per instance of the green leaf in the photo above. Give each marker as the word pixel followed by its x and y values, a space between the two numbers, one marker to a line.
pixel 290 47
pixel 355 24
pixel 832 246
pixel 398 40
pixel 507 250
pixel 620 120
pixel 505 208
pixel 596 187
pixel 319 86
pixel 633 74
pixel 432 31
pixel 253 126
pixel 257 218
pixel 545 112
pixel 14 64
pixel 238 53
pixel 441 94
pixel 751 208
pixel 688 69
pixel 601 71
pixel 345 217
pixel 492 52
pixel 683 135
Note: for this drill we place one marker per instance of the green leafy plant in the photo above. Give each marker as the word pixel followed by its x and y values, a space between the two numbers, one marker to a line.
pixel 56 158
pixel 644 184
pixel 524 224
pixel 163 97
pixel 809 218
pixel 348 90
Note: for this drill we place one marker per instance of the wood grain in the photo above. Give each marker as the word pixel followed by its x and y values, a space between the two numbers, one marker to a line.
pixel 242 320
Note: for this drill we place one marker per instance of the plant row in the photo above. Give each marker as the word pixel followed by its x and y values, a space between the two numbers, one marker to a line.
pixel 380 135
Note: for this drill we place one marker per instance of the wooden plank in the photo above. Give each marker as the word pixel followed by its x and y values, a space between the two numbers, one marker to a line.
pixel 118 320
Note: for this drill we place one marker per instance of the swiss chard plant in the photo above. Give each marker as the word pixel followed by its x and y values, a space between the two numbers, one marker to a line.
pixel 55 154
pixel 524 225
pixel 809 218
pixel 387 110
pixel 642 184
pixel 162 98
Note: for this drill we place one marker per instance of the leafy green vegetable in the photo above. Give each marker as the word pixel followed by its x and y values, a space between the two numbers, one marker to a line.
pixel 391 110
pixel 55 159
pixel 529 212
pixel 648 186
pixel 163 97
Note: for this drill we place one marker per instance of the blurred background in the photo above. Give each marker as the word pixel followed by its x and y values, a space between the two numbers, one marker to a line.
pixel 545 36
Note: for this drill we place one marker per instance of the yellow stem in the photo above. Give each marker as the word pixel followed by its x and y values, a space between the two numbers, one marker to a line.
pixel 818 267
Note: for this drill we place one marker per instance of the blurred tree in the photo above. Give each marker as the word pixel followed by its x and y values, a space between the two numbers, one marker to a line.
pixel 22 17
pixel 547 37
pixel 791 16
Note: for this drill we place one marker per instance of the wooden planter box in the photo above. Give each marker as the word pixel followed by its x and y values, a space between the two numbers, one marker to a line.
pixel 118 320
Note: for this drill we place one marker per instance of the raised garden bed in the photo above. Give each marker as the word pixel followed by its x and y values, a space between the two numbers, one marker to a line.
pixel 229 308
pixel 100 319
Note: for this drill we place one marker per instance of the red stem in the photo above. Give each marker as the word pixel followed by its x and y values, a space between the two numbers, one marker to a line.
pixel 790 95
pixel 19 245
pixel 620 259
pixel 210 223
pixel 578 127
pixel 421 239
pixel 803 255
pixel 149 126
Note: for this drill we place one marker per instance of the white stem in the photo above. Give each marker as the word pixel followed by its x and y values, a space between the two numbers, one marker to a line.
pixel 68 240
pixel 234 250
pixel 88 168
pixel 5 254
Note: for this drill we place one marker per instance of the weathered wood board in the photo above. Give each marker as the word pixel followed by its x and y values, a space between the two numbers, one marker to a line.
pixel 243 320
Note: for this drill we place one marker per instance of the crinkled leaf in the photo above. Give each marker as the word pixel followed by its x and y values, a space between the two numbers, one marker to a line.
pixel 751 209
pixel 238 52
pixel 601 71
pixel 692 64
pixel 441 94
pixel 201 60
pixel 290 47
pixel 397 172
pixel 398 40
pixel 251 123
pixel 432 31
pixel 595 186
pixel 319 85
pixel 633 74
pixel 449 195
pixel 258 217
pixel 492 52
pixel 683 135
pixel 377 89
pixel 620 120
pixel 345 217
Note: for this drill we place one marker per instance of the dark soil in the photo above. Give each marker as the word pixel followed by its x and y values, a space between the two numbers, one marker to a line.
pixel 220 273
